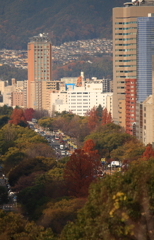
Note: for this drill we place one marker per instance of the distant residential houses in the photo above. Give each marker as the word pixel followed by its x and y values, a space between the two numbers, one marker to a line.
pixel 65 53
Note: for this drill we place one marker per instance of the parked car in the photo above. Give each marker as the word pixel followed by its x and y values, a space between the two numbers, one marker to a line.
pixel 115 164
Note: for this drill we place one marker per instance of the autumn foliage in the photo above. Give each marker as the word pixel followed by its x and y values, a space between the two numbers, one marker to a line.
pixel 89 147
pixel 79 172
pixel 18 118
pixel 148 153
pixel 106 118
pixel 92 118
pixel 28 112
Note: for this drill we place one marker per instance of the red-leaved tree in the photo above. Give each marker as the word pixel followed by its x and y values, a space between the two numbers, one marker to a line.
pixel 28 112
pixel 92 118
pixel 148 153
pixel 89 147
pixel 18 118
pixel 79 172
pixel 106 118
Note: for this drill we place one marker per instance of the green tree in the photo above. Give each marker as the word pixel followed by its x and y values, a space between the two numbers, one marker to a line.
pixel 56 215
pixel 14 226
pixel 129 151
pixel 5 110
pixel 3 120
pixel 29 166
pixel 119 207
pixel 46 122
pixel 108 137
pixel 99 110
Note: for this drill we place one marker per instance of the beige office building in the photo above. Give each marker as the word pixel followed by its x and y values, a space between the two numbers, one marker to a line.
pixel 124 59
pixel 17 98
pixel 147 115
pixel 39 72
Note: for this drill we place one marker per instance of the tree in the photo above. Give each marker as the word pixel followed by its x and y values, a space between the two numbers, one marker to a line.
pixel 14 226
pixel 92 118
pixel 39 149
pixel 79 172
pixel 106 118
pixel 3 120
pixel 24 181
pixel 129 151
pixel 57 214
pixel 108 137
pixel 3 195
pixel 29 112
pixel 46 122
pixel 99 110
pixel 12 158
pixel 18 118
pixel 29 166
pixel 5 110
pixel 148 153
pixel 88 147
pixel 119 207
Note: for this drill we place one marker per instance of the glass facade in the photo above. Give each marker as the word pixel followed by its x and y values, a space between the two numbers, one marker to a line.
pixel 145 50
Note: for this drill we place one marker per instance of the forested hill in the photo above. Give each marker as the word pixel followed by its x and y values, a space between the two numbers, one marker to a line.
pixel 64 20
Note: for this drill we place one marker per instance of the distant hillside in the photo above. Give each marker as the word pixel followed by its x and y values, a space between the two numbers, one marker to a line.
pixel 101 67
pixel 64 20
pixel 7 72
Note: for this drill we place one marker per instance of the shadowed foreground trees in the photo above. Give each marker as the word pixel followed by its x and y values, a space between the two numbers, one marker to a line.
pixel 56 215
pixel 14 226
pixel 120 206
pixel 3 195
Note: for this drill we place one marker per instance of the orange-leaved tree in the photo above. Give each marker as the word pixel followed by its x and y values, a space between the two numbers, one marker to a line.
pixel 148 153
pixel 89 147
pixel 106 118
pixel 79 172
pixel 92 118
pixel 18 118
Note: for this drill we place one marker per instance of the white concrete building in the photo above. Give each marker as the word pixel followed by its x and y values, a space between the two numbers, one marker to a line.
pixel 81 99
pixel 58 102
pixel 69 79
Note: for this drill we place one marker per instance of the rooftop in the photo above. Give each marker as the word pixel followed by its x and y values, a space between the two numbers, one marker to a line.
pixel 139 3
pixel 42 37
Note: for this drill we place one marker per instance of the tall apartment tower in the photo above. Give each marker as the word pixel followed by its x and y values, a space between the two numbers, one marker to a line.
pixel 145 51
pixel 125 60
pixel 39 72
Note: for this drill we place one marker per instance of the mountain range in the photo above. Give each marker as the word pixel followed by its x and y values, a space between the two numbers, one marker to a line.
pixel 64 20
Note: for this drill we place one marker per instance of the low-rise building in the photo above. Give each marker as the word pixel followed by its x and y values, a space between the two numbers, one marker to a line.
pixel 79 100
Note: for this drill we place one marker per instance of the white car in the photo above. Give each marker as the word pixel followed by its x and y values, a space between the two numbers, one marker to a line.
pixel 115 164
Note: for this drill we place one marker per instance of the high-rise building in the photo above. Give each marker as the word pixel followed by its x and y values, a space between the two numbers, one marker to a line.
pixel 125 60
pixel 145 116
pixel 145 50
pixel 39 72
